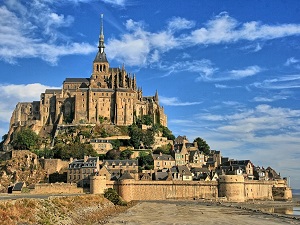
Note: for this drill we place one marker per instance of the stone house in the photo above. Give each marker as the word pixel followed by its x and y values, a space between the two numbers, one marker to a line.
pixel 117 168
pixel 163 161
pixel 79 170
pixel 196 159
pixel 235 167
pixel 181 173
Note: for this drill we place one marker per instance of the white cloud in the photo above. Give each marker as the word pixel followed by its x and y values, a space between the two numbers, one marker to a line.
pixel 115 3
pixel 281 82
pixel 204 67
pixel 31 31
pixel 268 136
pixel 173 101
pixel 140 43
pixel 249 71
pixel 291 61
pixel 178 23
pixel 225 29
pixel 12 94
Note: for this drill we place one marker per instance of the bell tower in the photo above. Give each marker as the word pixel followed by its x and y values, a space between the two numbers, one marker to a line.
pixel 100 64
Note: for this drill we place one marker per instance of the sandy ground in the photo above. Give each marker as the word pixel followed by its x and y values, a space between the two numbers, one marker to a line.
pixel 195 212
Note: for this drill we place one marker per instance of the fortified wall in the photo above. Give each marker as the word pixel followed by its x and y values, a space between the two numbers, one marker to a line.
pixel 56 188
pixel 229 187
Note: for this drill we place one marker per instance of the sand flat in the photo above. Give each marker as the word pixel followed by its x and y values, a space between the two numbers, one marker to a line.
pixel 193 212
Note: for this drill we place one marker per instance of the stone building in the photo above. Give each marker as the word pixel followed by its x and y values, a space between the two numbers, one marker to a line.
pixel 109 95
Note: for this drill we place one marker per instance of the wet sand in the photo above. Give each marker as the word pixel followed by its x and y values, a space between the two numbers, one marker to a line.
pixel 197 212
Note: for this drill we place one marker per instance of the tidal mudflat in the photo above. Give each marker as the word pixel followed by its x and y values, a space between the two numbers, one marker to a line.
pixel 208 213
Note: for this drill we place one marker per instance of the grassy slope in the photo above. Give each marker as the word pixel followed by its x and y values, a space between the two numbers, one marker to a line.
pixel 86 209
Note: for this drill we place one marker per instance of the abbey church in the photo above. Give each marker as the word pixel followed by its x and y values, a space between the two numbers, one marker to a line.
pixel 110 94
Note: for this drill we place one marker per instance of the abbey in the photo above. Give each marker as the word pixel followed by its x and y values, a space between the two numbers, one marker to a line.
pixel 110 95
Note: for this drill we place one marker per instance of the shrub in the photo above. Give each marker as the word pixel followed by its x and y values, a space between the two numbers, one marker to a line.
pixel 113 196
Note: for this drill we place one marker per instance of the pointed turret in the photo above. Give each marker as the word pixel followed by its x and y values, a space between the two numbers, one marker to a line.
pixel 156 96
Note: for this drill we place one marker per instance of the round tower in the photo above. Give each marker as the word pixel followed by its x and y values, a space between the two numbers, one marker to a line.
pixel 232 187
pixel 97 184
pixel 126 189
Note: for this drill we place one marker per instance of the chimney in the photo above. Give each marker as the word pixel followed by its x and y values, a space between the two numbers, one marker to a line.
pixel 85 158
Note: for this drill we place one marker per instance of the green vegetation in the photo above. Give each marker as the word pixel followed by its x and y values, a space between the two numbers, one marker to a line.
pixel 46 153
pixel 26 139
pixel 166 149
pixel 145 161
pixel 126 154
pixel 75 150
pixel 164 130
pixel 138 136
pixel 112 195
pixel 113 154
pixel 202 145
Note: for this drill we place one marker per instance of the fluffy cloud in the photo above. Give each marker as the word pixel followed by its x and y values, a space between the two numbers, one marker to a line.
pixel 31 30
pixel 225 29
pixel 220 29
pixel 268 136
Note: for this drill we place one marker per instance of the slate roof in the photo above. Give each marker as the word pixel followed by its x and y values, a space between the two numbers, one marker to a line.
pixel 51 91
pixel 162 157
pixel 161 175
pixel 100 57
pixel 126 176
pixel 77 80
pixel 131 162
pixel 184 170
pixel 18 186
pixel 79 163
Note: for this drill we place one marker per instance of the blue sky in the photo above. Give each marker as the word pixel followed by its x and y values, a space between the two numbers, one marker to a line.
pixel 226 71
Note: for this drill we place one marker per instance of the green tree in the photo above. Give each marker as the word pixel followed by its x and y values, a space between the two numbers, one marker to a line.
pixel 202 145
pixel 136 135
pixel 113 154
pixel 165 149
pixel 148 138
pixel 147 120
pixel 126 154
pixel 26 139
pixel 115 144
pixel 145 160
pixel 75 150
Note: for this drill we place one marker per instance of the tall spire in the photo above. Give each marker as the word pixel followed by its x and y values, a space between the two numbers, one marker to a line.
pixel 101 37
pixel 101 56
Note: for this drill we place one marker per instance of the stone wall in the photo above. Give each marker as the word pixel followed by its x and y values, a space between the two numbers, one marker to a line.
pixel 258 190
pixel 161 190
pixel 56 188
pixel 230 187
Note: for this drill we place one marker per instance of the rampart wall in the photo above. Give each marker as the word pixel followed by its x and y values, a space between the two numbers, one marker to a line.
pixel 258 190
pixel 56 188
pixel 161 190
pixel 230 187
